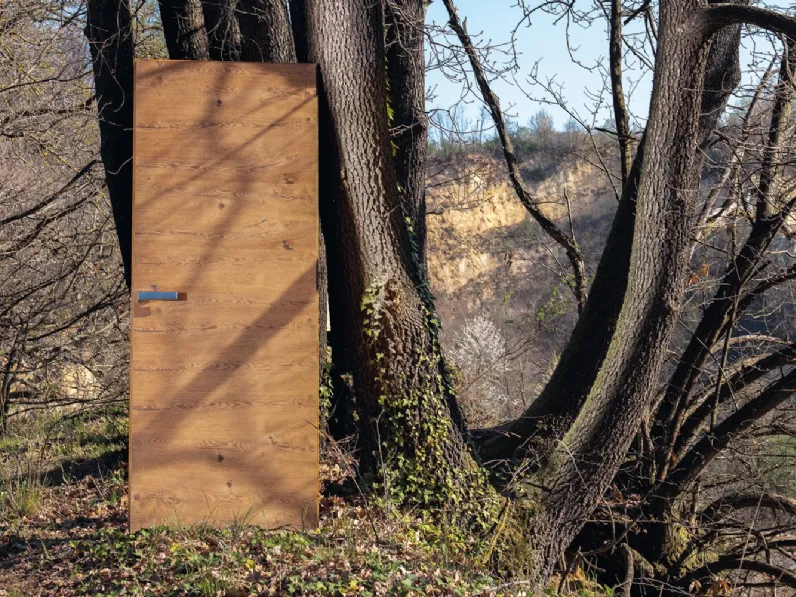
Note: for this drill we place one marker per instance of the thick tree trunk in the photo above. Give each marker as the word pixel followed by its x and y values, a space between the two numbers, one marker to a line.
pixel 110 39
pixel 184 29
pixel 554 411
pixel 591 452
pixel 266 34
pixel 411 430
pixel 405 21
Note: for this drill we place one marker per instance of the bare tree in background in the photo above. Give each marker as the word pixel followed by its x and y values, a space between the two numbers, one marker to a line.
pixel 63 309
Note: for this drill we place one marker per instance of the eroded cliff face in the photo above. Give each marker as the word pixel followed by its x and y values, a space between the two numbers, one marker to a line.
pixel 485 252
pixel 501 284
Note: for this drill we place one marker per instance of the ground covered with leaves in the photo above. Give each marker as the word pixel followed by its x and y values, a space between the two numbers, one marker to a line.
pixel 63 504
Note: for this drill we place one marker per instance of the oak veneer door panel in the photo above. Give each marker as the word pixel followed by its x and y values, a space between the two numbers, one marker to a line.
pixel 224 381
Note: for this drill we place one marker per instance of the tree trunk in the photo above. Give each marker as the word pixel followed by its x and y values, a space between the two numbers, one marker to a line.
pixel 265 31
pixel 184 29
pixel 411 427
pixel 404 25
pixel 591 452
pixel 109 33
pixel 223 30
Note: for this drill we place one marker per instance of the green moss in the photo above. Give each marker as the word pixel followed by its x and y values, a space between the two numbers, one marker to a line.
pixel 513 553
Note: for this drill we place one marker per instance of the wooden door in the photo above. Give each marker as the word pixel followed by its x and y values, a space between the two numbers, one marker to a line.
pixel 224 380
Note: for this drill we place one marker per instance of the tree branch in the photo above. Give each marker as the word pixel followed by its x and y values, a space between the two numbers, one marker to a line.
pixel 726 504
pixel 620 109
pixel 744 377
pixel 706 449
pixel 491 100
pixel 736 562
pixel 223 29
pixel 715 17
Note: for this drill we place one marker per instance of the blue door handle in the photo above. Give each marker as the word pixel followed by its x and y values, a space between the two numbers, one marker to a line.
pixel 158 296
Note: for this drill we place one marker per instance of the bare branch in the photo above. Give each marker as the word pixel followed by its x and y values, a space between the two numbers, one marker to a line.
pixel 491 100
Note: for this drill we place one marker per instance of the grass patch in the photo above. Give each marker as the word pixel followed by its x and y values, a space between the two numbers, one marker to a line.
pixel 20 498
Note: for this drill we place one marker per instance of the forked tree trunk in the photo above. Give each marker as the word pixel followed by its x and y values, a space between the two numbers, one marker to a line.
pixel 591 452
pixel 554 411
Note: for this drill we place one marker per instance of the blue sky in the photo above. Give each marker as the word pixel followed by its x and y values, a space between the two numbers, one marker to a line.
pixel 544 43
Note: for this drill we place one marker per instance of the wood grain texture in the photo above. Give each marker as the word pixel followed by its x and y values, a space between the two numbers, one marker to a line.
pixel 224 382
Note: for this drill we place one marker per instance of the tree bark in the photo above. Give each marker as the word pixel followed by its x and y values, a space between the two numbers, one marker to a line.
pixel 266 33
pixel 404 26
pixel 411 433
pixel 184 29
pixel 109 34
pixel 223 30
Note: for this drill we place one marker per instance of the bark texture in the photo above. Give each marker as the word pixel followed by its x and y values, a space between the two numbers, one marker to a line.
pixel 391 350
pixel 266 34
pixel 109 34
pixel 223 30
pixel 404 22
pixel 184 29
